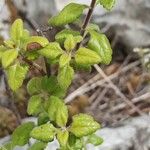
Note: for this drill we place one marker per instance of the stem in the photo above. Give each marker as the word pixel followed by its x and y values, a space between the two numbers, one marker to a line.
pixel 87 20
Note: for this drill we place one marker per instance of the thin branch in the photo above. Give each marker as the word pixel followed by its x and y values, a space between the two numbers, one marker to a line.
pixel 93 83
pixel 87 20
pixel 118 92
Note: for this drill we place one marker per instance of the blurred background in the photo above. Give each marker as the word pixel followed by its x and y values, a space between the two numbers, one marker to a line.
pixel 118 96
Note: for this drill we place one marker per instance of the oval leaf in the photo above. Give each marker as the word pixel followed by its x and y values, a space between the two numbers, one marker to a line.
pixel 62 137
pixel 44 132
pixel 52 50
pixel 70 43
pixel 34 86
pixel 16 31
pixel 8 57
pixel 100 44
pixel 42 41
pixel 21 135
pixel 94 139
pixel 83 125
pixel 65 76
pixel 69 14
pixel 16 74
pixel 34 105
pixel 86 56
pixel 58 111
pixel 64 60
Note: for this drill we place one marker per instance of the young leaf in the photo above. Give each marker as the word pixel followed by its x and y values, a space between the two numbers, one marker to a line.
pixel 107 4
pixel 83 125
pixel 38 146
pixel 21 135
pixel 94 139
pixel 52 50
pixel 42 41
pixel 86 56
pixel 78 39
pixel 69 14
pixel 16 74
pixel 34 86
pixel 43 118
pixel 53 107
pixel 100 44
pixel 64 60
pixel 58 111
pixel 70 43
pixel 65 76
pixel 62 115
pixel 44 132
pixel 62 137
pixel 34 105
pixel 8 57
pixel 92 26
pixel 16 31
pixel 61 36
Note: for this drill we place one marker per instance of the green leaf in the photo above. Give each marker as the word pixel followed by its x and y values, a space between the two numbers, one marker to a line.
pixel 69 43
pixel 21 135
pixel 34 105
pixel 100 44
pixel 69 14
pixel 62 115
pixel 61 36
pixel 94 139
pixel 9 44
pixel 16 74
pixel 83 125
pixel 16 31
pixel 2 50
pixel 92 26
pixel 8 57
pixel 7 146
pixel 43 118
pixel 64 60
pixel 62 137
pixel 58 111
pixel 44 133
pixel 86 56
pixel 38 85
pixel 107 4
pixel 42 41
pixel 34 85
pixel 38 146
pixel 51 86
pixel 78 39
pixel 65 76
pixel 52 50
pixel 74 142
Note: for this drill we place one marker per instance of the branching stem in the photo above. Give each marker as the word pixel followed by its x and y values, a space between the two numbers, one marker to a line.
pixel 87 20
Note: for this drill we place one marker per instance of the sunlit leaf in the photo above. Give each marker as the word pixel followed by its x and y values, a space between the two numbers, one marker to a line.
pixel 69 14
